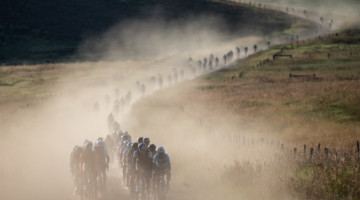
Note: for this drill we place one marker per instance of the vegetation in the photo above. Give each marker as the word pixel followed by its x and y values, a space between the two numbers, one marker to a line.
pixel 42 32
pixel 263 88
pixel 318 103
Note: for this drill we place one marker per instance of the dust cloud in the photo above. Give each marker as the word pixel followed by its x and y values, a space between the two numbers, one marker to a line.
pixel 36 143
pixel 341 14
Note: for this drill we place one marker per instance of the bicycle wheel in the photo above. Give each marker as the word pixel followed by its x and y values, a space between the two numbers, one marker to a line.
pixel 100 184
pixel 162 189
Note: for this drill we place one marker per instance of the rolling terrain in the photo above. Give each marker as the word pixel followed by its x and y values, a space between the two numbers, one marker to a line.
pixel 53 31
pixel 231 130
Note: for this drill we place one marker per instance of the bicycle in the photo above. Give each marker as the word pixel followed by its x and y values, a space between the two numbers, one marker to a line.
pixel 89 190
pixel 140 187
pixel 161 189
pixel 100 184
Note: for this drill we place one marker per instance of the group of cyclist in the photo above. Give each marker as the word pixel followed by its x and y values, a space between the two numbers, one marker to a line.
pixel 88 165
pixel 143 165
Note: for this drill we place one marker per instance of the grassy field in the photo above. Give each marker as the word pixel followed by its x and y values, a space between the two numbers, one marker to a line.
pixel 324 101
pixel 256 98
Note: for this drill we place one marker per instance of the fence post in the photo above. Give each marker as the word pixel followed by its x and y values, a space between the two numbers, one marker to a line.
pixel 326 151
pixel 311 152
pixel 282 147
pixel 319 147
pixel 304 149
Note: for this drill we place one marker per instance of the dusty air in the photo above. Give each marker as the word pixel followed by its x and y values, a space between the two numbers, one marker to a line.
pixel 179 99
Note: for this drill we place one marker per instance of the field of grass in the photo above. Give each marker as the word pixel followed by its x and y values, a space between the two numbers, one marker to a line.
pixel 255 98
pixel 295 107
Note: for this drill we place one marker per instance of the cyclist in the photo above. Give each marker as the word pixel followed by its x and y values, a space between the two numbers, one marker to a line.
pixel 110 120
pixel 146 142
pixel 123 161
pixel 103 157
pixel 120 146
pixel 152 149
pixel 88 166
pixel 161 167
pixel 110 145
pixel 131 168
pixel 75 167
pixel 115 126
pixel 85 143
pixel 143 163
pixel 140 140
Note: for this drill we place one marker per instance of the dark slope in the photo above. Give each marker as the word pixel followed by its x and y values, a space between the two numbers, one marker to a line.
pixel 51 30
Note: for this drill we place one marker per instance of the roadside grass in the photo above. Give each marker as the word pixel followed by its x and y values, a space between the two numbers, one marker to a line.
pixel 305 110
pixel 296 177
pixel 333 93
pixel 264 102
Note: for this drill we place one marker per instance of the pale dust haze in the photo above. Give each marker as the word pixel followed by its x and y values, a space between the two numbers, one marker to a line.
pixel 36 143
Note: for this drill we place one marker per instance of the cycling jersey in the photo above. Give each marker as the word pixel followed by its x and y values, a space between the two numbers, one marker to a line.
pixel 161 163
pixel 144 160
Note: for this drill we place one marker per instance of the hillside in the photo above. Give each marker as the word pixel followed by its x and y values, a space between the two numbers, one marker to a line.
pixel 289 125
pixel 48 31
pixel 317 89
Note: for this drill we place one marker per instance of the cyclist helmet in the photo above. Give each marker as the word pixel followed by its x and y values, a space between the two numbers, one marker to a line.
pixel 89 145
pixel 116 125
pixel 161 150
pixel 140 140
pixel 141 147
pixel 125 137
pixel 135 146
pixel 146 141
pixel 100 143
pixel 129 144
pixel 152 147
pixel 76 147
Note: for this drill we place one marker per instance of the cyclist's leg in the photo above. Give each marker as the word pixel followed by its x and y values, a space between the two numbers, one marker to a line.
pixel 156 185
pixel 104 175
pixel 147 181
pixel 127 177
pixel 132 181
pixel 124 173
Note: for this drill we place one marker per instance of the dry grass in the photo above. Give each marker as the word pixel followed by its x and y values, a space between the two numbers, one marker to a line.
pixel 264 102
